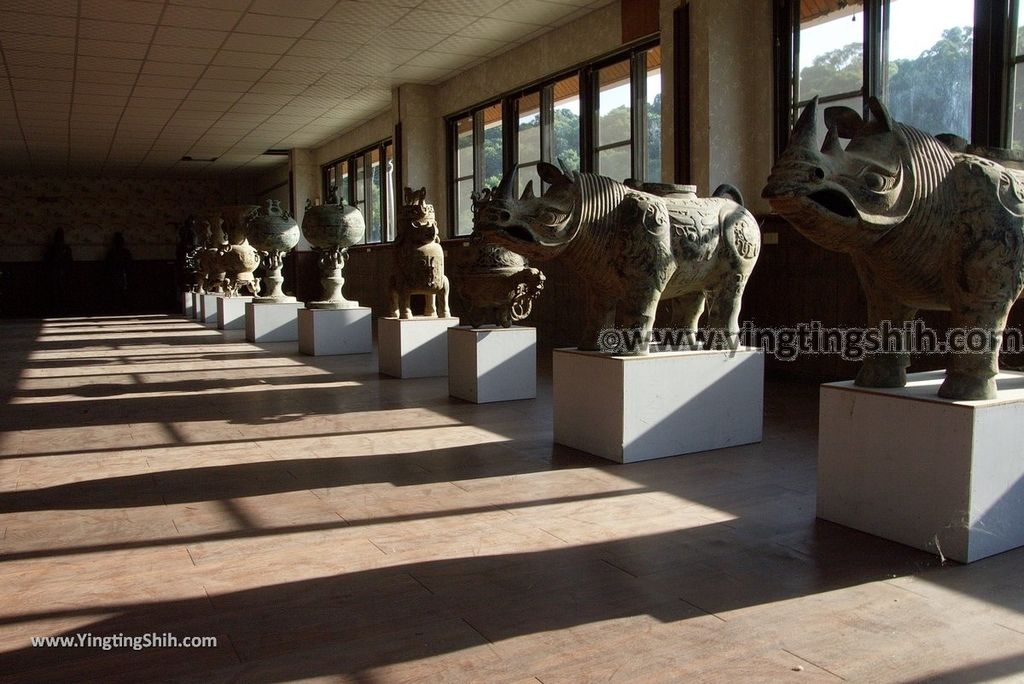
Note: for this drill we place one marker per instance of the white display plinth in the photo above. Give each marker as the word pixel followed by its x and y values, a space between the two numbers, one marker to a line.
pixel 939 475
pixel 208 308
pixel 414 347
pixel 187 305
pixel 272 322
pixel 330 332
pixel 231 312
pixel 197 305
pixel 492 364
pixel 635 408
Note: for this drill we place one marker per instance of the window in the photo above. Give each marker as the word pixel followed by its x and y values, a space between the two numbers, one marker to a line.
pixel 1017 83
pixel 545 122
pixel 918 56
pixel 366 180
pixel 615 121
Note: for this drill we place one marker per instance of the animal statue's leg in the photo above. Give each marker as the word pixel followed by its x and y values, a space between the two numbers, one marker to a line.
pixel 442 299
pixel 724 312
pixel 884 368
pixel 971 372
pixel 598 315
pixel 405 300
pixel 684 315
pixel 430 304
pixel 393 298
pixel 638 311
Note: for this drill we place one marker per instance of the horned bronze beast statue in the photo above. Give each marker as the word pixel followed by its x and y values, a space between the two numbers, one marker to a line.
pixel 633 245
pixel 927 227
pixel 419 259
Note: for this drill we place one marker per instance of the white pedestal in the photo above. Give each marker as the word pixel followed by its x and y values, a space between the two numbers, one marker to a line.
pixel 208 308
pixel 187 305
pixel 635 408
pixel 272 322
pixel 414 347
pixel 231 312
pixel 939 475
pixel 197 305
pixel 492 364
pixel 329 332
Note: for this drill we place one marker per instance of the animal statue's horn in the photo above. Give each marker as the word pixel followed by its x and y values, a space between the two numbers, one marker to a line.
pixel 832 146
pixel 565 167
pixel 805 132
pixel 504 189
pixel 528 191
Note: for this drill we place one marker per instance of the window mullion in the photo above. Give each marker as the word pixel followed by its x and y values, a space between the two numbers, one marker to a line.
pixel 547 122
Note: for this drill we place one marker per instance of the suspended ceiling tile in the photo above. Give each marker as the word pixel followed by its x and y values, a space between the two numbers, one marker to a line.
pixel 107 89
pixel 472 7
pixel 324 49
pixel 172 69
pixel 419 74
pixel 127 66
pixel 200 17
pixel 532 11
pixel 85 75
pixel 39 59
pixel 21 22
pixel 498 29
pixel 254 42
pixel 40 86
pixel 66 8
pixel 189 37
pixel 245 59
pixel 234 73
pixel 439 60
pixel 179 54
pixel 214 4
pixel 164 81
pixel 18 71
pixel 110 48
pixel 307 9
pixel 437 22
pixel 273 26
pixel 226 86
pixel 124 10
pixel 408 40
pixel 130 33
pixel 466 45
pixel 48 44
pixel 369 13
pixel 269 88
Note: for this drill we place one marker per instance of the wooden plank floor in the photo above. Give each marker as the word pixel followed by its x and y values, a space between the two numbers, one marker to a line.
pixel 328 524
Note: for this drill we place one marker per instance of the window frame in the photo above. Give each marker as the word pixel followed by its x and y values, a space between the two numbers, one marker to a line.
pixel 386 150
pixel 587 78
pixel 991 72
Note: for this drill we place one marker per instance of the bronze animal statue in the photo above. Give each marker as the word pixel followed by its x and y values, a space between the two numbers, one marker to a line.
pixel 419 259
pixel 633 245
pixel 927 228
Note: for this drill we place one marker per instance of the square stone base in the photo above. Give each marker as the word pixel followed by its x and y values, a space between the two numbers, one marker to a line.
pixel 272 322
pixel 197 305
pixel 414 347
pixel 330 332
pixel 492 364
pixel 208 308
pixel 636 408
pixel 231 312
pixel 939 475
pixel 187 305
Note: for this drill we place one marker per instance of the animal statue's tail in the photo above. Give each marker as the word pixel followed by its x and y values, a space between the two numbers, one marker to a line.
pixel 729 192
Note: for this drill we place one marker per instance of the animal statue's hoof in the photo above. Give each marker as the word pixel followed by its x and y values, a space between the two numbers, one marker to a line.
pixel 882 372
pixel 406 315
pixel 962 387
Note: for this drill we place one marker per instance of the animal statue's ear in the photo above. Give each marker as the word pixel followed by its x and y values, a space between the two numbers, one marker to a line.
pixel 407 196
pixel 421 195
pixel 879 115
pixel 846 121
pixel 552 175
